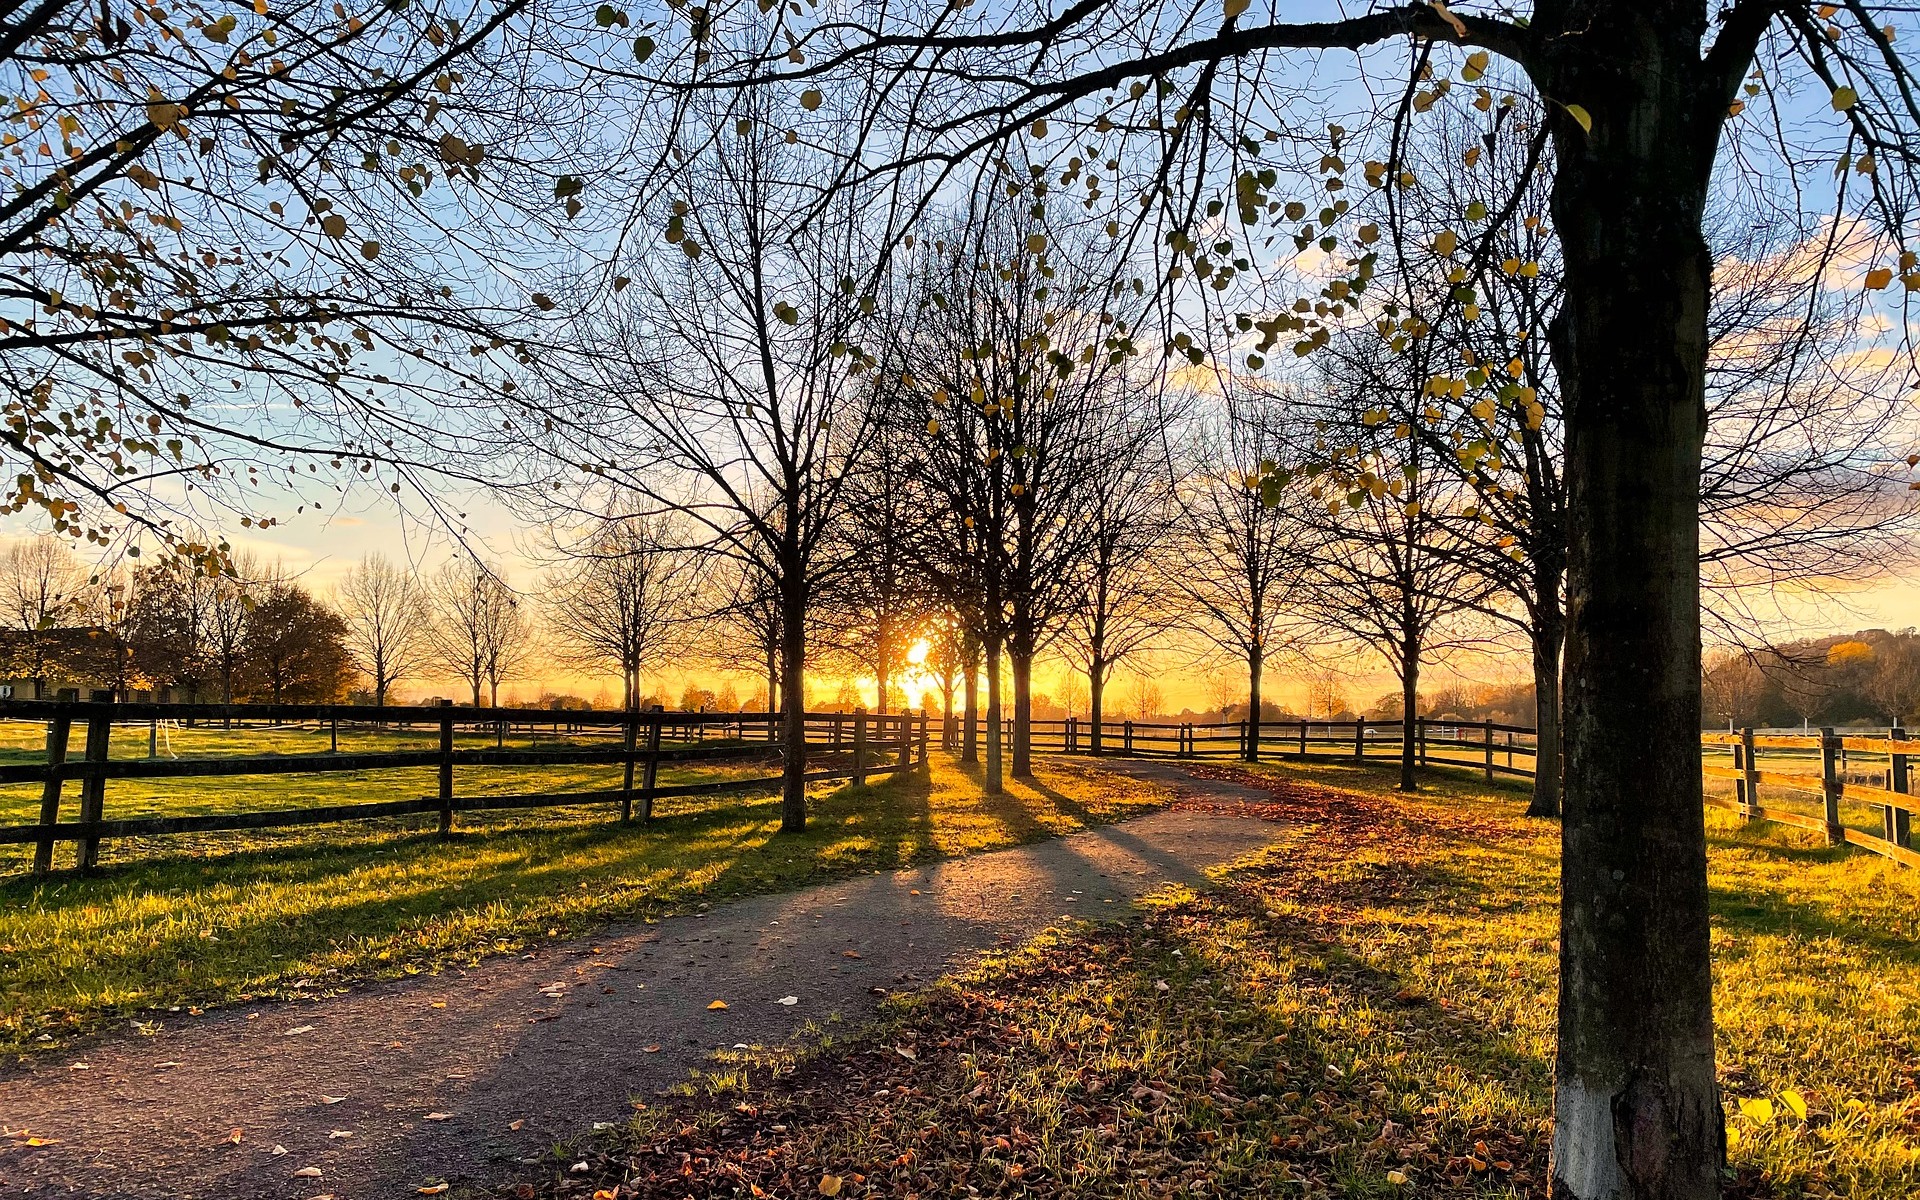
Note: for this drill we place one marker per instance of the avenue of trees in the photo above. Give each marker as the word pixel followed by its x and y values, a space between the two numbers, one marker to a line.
pixel 1575 325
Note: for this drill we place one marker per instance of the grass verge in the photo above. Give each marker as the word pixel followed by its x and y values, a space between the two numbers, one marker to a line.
pixel 218 923
pixel 1365 1010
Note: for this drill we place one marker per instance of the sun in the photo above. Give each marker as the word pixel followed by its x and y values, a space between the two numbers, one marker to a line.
pixel 918 654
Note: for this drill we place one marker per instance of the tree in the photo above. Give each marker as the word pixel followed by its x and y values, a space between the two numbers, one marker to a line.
pixel 1239 560
pixel 875 603
pixel 386 621
pixel 296 648
pixel 42 587
pixel 478 633
pixel 1637 101
pixel 242 204
pixel 168 623
pixel 626 598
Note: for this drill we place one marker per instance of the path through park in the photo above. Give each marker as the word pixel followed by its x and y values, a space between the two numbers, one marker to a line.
pixel 383 1089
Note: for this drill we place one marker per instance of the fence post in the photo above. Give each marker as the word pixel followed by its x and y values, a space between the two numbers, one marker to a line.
pixel 1303 741
pixel 1751 772
pixel 859 746
pixel 333 734
pixel 446 769
pixel 905 733
pixel 629 735
pixel 650 770
pixel 1899 820
pixel 1486 732
pixel 1740 801
pixel 1830 785
pixel 1420 740
pixel 925 763
pixel 1126 734
pixel 1360 740
pixel 93 785
pixel 153 737
pixel 58 729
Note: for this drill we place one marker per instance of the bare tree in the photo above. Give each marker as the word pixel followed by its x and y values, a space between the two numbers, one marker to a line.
pixel 626 597
pixel 1238 555
pixel 42 587
pixel 478 633
pixel 386 621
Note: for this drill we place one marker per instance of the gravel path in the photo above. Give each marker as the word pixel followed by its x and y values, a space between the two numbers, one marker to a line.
pixel 380 1090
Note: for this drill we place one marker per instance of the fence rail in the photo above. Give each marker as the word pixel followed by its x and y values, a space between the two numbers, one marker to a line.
pixel 1496 749
pixel 857 746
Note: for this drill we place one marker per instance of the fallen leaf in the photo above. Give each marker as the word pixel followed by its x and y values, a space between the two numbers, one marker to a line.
pixel 849 954
pixel 233 1138
pixel 333 1134
pixel 907 1053
pixel 788 1000
pixel 431 1189
pixel 307 1173
pixel 277 1150
pixel 1758 1111
pixel 516 1124
pixel 1795 1102
pixel 653 1049
pixel 830 1185
pixel 325 1099
pixel 717 1006
pixel 438 1116
pixel 439 1004
pixel 298 1029
pixel 1396 1176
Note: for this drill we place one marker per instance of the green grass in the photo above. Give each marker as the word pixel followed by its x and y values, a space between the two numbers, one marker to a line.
pixel 1364 1010
pixel 218 919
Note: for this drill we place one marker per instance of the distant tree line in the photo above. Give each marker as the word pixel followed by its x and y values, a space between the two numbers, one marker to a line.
pixel 1867 678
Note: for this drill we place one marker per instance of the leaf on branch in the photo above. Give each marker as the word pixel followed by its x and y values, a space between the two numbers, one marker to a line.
pixel 643 48
pixel 1879 278
pixel 1581 117
pixel 1844 98
pixel 811 99
pixel 1476 66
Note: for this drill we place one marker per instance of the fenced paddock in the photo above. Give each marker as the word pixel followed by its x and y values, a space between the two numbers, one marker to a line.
pixel 96 772
pixel 1853 790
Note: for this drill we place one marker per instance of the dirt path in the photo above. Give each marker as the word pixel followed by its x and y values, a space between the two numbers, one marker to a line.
pixel 393 1086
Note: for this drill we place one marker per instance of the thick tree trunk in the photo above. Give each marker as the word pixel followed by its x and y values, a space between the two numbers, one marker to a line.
pixel 995 773
pixel 1096 701
pixel 970 715
pixel 1637 1108
pixel 793 705
pixel 1256 667
pixel 1409 712
pixel 1549 635
pixel 1022 714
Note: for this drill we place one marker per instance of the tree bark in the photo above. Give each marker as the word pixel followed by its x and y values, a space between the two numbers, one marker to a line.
pixel 1096 700
pixel 1637 1107
pixel 1549 635
pixel 1409 711
pixel 970 736
pixel 1256 667
pixel 995 768
pixel 1022 714
pixel 793 703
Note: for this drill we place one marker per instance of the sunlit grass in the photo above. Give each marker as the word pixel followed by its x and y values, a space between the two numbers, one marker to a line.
pixel 1364 1009
pixel 219 920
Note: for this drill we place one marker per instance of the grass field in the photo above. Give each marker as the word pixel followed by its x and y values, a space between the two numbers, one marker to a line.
pixel 199 921
pixel 1366 1010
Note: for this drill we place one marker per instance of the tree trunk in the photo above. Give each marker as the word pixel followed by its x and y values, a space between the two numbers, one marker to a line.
pixel 1637 1108
pixel 793 704
pixel 1549 634
pixel 1256 667
pixel 1096 701
pixel 1409 711
pixel 995 741
pixel 1022 714
pixel 970 736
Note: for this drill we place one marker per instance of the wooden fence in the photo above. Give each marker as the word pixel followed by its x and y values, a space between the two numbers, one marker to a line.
pixel 855 746
pixel 1870 770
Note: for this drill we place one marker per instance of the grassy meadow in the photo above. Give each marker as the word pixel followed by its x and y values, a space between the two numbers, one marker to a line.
pixel 1364 1010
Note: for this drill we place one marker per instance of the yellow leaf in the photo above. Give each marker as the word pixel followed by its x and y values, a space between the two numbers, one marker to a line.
pixel 810 99
pixel 1581 117
pixel 334 225
pixel 1476 66
pixel 1036 243
pixel 1879 277
pixel 1396 1176
pixel 1235 7
pixel 432 1189
pixel 717 1006
pixel 1758 1111
pixel 830 1185
pixel 1795 1102
pixel 933 427
pixel 1844 98
pixel 1736 108
pixel 1446 242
